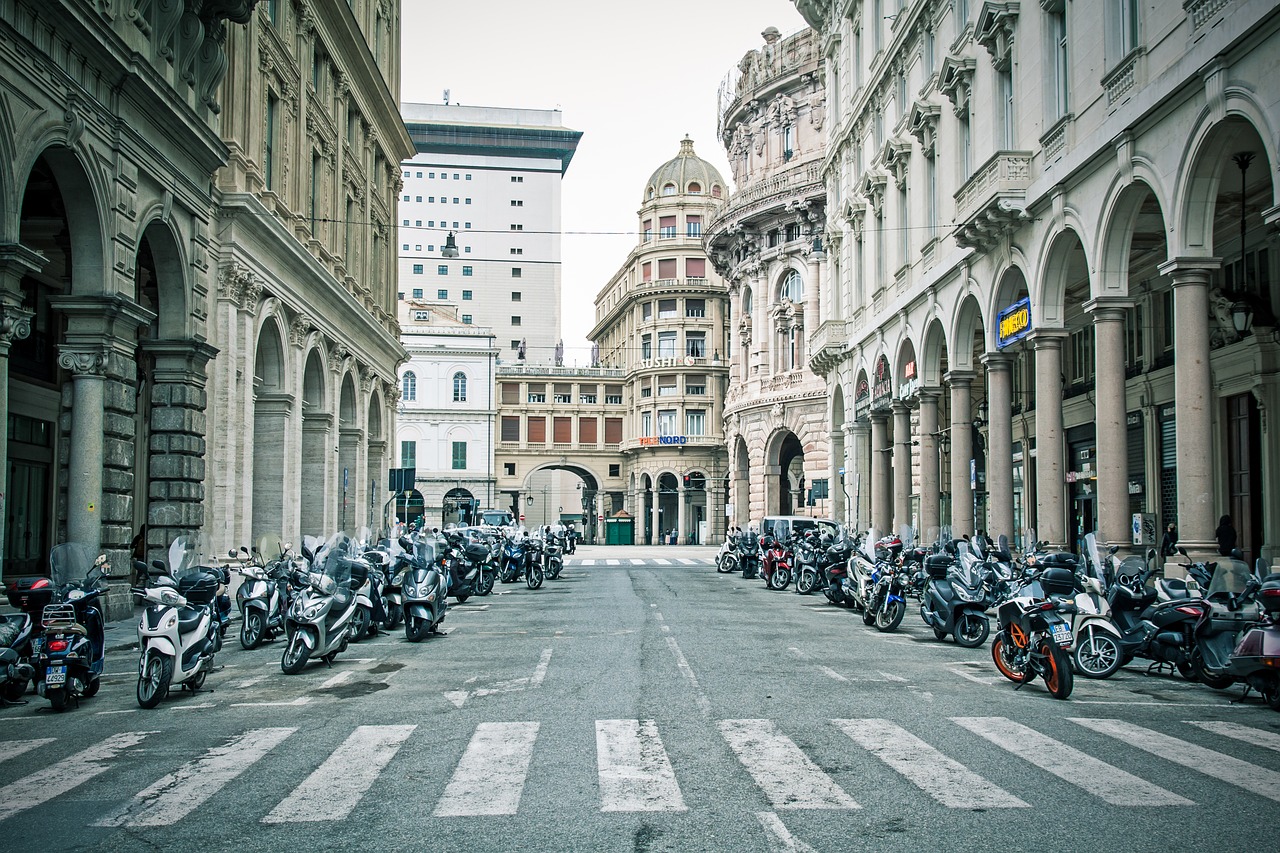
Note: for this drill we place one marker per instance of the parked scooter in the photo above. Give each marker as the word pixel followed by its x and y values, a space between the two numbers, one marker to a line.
pixel 179 631
pixel 749 552
pixel 515 556
pixel 320 614
pixel 727 558
pixel 775 565
pixel 68 656
pixel 18 632
pixel 423 586
pixel 1256 659
pixel 956 595
pixel 533 571
pixel 552 553
pixel 262 597
pixel 13 671
pixel 1230 611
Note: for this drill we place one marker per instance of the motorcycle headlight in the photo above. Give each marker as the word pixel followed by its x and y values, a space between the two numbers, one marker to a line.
pixel 313 610
pixel 965 594
pixel 170 621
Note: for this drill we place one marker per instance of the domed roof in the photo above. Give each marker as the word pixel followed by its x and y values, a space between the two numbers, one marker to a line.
pixel 685 168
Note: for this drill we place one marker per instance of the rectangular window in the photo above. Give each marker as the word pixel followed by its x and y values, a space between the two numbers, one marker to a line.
pixel 695 307
pixel 408 454
pixel 646 424
pixel 646 271
pixel 269 155
pixel 459 455
pixel 666 309
pixel 515 346
pixel 466 294
pixel 693 226
pixel 466 271
pixel 1061 70
pixel 536 430
pixel 562 430
pixel 646 311
pixel 667 422
pixel 646 347
pixel 695 268
pixel 648 230
pixel 516 272
pixel 587 430
pixel 587 397
pixel 613 430
pixel 442 269
pixel 695 385
pixel 517 251
pixel 1082 362
pixel 509 469
pixel 515 295
pixel 965 147
pixel 417 293
pixel 537 392
pixel 515 320
pixel 667 386
pixel 613 395
pixel 666 269
pixel 695 344
pixel 666 344
pixel 562 393
pixel 466 318
pixel 615 470
pixel 510 393
pixel 695 423
pixel 517 179
pixel 517 227
pixel 515 202
pixel 442 294
pixel 666 226
pixel 1004 84
pixel 1134 339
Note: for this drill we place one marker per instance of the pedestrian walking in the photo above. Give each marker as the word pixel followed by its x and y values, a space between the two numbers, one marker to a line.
pixel 1226 533
pixel 1169 544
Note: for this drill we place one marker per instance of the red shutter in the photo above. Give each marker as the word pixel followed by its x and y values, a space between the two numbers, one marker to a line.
pixel 537 430
pixel 563 430
pixel 510 428
pixel 587 430
pixel 695 267
pixel 647 271
pixel 613 430
pixel 666 268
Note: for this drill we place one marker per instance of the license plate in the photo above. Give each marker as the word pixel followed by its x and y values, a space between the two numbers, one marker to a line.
pixel 55 675
pixel 1062 634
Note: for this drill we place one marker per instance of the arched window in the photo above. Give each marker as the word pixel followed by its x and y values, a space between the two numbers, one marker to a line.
pixel 715 191
pixel 650 192
pixel 746 301
pixel 793 287
pixel 409 387
pixel 668 189
pixel 695 188
pixel 459 387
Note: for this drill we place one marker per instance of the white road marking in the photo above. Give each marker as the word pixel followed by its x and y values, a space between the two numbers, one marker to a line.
pixel 780 838
pixel 831 673
pixel 635 772
pixel 1233 771
pixel 173 797
pixel 57 779
pixel 1091 775
pixel 947 781
pixel 1257 737
pixel 194 707
pixel 888 676
pixel 125 711
pixel 249 682
pixel 661 562
pixel 338 678
pixel 613 562
pixel 588 562
pixel 336 786
pixel 684 561
pixel 540 672
pixel 701 698
pixel 987 682
pixel 14 748
pixel 636 562
pixel 785 774
pixel 301 700
pixel 490 777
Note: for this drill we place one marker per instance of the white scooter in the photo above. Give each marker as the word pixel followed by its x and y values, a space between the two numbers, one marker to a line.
pixel 319 617
pixel 178 634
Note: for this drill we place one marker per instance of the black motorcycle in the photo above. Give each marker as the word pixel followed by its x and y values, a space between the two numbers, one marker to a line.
pixel 1034 635
pixel 749 553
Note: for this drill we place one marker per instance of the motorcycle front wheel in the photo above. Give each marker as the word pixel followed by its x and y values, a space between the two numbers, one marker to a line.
pixel 251 628
pixel 486 582
pixel 1097 654
pixel 533 577
pixel 153 683
pixel 1057 670
pixel 360 621
pixel 394 615
pixel 415 628
pixel 1205 676
pixel 553 571
pixel 806 581
pixel 972 630
pixel 295 655
pixel 889 617
pixel 1002 652
pixel 727 564
pixel 779 579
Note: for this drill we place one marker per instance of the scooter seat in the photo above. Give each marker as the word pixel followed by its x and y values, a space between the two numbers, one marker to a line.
pixel 189 619
pixel 1174 587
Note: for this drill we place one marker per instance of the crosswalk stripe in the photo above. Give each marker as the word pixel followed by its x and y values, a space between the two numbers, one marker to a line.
pixel 661 562
pixel 613 562
pixel 636 562
pixel 635 772
pixel 1257 737
pixel 588 562
pixel 14 748
pixel 786 775
pixel 1071 765
pixel 1233 771
pixel 685 561
pixel 336 786
pixel 947 781
pixel 490 777
pixel 56 779
pixel 176 795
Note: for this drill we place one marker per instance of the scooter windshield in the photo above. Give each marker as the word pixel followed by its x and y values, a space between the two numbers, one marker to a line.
pixel 869 544
pixel 427 550
pixel 337 562
pixel 186 554
pixel 269 547
pixel 1229 578
pixel 69 562
pixel 1093 567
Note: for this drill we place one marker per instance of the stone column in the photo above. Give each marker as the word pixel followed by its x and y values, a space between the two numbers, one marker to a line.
pixel 15 324
pixel 655 517
pixel 1193 390
pixel 881 485
pixel 930 468
pixel 176 491
pixel 857 474
pixel 1050 476
pixel 349 503
pixel 1000 445
pixel 1114 518
pixel 961 452
pixel 682 534
pixel 901 465
pixel 375 466
pixel 812 309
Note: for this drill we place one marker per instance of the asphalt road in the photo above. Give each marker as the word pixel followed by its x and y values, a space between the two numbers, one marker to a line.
pixel 651 705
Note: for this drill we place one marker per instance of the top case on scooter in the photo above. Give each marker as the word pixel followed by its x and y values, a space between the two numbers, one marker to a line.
pixel 199 588
pixel 937 565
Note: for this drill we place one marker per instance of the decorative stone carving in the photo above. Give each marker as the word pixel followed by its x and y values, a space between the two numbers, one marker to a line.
pixel 923 125
pixel 995 31
pixel 338 357
pixel 956 81
pixel 299 328
pixel 89 362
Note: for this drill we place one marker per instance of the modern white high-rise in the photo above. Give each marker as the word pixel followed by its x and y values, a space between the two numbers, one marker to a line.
pixel 491 177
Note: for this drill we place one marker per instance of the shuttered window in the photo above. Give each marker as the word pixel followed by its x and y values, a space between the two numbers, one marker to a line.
pixel 613 430
pixel 510 393
pixel 537 430
pixel 587 430
pixel 563 430
pixel 510 428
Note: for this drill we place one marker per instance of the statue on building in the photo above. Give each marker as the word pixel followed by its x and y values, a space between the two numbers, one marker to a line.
pixel 595 354
pixel 520 350
pixel 560 354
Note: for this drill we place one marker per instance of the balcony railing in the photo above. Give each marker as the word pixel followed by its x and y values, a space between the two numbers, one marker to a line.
pixel 993 200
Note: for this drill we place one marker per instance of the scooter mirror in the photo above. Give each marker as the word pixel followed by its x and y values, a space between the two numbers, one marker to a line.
pixel 406 543
pixel 156 564
pixel 232 553
pixel 1183 552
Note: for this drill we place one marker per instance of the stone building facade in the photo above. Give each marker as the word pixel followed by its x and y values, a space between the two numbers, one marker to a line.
pixel 767 243
pixel 663 320
pixel 156 322
pixel 1051 265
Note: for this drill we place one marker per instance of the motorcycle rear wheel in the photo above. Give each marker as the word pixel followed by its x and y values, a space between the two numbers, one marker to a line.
pixel 394 615
pixel 295 655
pixel 554 569
pixel 1057 670
pixel 972 630
pixel 727 564
pixel 868 617
pixel 13 691
pixel 1097 654
pixel 360 623
pixel 889 617
pixel 1204 676
pixel 153 683
pixel 805 581
pixel 91 689
pixel 57 699
pixel 1001 654
pixel 251 628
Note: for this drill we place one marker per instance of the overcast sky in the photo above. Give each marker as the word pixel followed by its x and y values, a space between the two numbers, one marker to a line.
pixel 634 78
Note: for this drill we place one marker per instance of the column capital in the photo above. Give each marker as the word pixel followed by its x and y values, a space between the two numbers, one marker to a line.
pixel 84 361
pixel 16 260
pixel 15 324
pixel 1185 271
pixel 109 321
pixel 1048 338
pixel 997 361
pixel 1108 309
pixel 930 395
pixel 960 377
pixel 879 415
pixel 181 360
pixel 900 406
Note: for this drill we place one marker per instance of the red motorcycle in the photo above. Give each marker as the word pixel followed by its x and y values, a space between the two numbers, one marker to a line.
pixel 776 565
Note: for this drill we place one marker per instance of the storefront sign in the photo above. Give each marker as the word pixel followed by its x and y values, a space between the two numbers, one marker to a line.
pixel 882 390
pixel 663 439
pixel 1013 323
pixel 861 399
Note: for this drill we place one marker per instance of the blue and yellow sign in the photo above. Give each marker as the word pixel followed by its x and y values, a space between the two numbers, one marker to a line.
pixel 1013 323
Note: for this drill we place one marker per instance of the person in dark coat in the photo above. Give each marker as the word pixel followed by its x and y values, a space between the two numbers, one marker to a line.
pixel 1169 544
pixel 1226 536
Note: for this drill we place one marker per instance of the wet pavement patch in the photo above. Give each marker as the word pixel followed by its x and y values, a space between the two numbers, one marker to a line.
pixel 353 690
pixel 389 666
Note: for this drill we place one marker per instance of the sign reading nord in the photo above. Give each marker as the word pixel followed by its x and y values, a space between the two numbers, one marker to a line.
pixel 1013 323
pixel 664 439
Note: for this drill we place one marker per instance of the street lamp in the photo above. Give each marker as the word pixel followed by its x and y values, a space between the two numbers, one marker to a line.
pixel 450 248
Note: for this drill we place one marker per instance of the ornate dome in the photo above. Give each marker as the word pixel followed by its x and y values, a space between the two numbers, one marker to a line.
pixel 685 173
